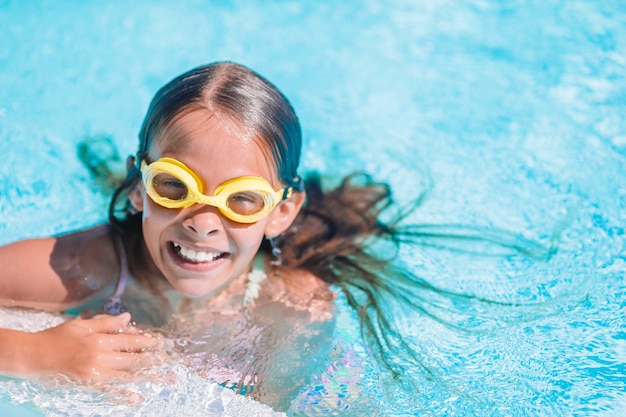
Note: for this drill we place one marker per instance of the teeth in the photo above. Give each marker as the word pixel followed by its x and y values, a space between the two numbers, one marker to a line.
pixel 195 256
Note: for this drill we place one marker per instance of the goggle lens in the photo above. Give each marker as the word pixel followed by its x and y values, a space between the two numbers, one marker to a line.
pixel 170 187
pixel 246 203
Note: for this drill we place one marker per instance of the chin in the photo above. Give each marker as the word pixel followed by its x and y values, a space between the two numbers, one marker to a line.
pixel 195 291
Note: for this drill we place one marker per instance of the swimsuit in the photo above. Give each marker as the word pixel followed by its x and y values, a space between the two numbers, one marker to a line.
pixel 113 305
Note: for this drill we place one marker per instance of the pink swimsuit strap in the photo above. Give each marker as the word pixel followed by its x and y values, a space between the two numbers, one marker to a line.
pixel 113 305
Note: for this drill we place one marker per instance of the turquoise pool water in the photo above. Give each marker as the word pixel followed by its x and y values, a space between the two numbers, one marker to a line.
pixel 514 109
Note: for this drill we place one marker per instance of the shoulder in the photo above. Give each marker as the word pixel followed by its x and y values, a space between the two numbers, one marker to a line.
pixel 55 273
pixel 86 260
pixel 89 247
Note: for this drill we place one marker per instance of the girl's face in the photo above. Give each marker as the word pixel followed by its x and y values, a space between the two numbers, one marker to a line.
pixel 197 249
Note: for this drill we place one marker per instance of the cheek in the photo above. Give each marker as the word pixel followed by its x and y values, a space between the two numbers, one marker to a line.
pixel 155 213
pixel 154 220
pixel 248 239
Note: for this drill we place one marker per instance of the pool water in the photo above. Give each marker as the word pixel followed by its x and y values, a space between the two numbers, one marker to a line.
pixel 514 110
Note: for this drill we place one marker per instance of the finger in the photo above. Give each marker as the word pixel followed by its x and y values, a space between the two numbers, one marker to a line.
pixel 108 324
pixel 123 342
pixel 131 329
pixel 122 361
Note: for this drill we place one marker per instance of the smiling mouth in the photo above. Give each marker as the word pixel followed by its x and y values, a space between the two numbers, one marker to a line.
pixel 191 255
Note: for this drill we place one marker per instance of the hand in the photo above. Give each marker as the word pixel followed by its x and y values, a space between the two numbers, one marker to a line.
pixel 97 349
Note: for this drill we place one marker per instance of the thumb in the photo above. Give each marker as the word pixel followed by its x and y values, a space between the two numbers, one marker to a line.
pixel 108 324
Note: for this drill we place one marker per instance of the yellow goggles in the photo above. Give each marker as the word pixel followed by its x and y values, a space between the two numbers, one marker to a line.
pixel 172 184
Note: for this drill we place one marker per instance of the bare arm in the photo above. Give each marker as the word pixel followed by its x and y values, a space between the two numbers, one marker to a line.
pixel 54 274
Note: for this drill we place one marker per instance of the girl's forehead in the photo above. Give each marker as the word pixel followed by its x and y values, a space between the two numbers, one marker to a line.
pixel 202 135
pixel 192 127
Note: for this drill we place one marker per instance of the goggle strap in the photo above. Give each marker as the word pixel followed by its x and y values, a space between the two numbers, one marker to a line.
pixel 298 183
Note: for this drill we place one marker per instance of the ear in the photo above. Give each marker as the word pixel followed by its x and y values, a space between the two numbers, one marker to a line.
pixel 135 195
pixel 284 214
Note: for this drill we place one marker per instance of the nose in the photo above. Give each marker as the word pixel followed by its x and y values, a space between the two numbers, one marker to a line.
pixel 203 220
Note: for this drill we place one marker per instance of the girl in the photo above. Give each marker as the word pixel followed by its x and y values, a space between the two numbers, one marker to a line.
pixel 210 229
pixel 209 214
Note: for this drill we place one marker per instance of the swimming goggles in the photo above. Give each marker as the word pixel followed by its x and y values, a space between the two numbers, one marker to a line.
pixel 172 184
